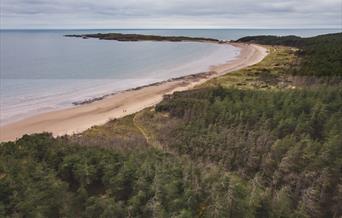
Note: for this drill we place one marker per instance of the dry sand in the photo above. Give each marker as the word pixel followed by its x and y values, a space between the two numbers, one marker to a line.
pixel 82 117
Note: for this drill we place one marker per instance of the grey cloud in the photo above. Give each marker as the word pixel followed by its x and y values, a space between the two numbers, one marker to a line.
pixel 134 13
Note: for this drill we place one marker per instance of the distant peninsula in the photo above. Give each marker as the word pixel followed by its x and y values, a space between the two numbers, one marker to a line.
pixel 140 37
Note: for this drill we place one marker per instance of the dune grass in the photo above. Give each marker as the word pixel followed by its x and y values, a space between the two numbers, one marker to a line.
pixel 268 74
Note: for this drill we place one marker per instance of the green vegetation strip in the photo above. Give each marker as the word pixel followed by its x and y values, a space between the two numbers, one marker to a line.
pixel 140 37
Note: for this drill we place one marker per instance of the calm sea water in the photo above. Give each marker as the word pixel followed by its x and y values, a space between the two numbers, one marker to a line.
pixel 41 70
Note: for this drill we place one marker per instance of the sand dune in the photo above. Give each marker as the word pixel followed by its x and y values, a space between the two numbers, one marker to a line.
pixel 82 117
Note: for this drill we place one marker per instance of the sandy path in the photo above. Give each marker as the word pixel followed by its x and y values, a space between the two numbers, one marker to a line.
pixel 80 118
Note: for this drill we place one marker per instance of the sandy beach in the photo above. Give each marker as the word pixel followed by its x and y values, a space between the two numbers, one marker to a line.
pixel 79 118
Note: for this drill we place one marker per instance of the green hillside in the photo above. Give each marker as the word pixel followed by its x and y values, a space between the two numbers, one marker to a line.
pixel 319 56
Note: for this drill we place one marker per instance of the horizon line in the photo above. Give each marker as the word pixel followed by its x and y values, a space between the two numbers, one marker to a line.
pixel 181 28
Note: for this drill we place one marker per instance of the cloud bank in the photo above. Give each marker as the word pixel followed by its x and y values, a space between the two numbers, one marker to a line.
pixel 171 14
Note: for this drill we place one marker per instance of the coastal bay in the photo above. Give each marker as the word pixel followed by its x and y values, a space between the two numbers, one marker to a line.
pixel 63 70
pixel 79 118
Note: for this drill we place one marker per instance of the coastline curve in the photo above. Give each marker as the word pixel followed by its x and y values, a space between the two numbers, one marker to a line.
pixel 77 119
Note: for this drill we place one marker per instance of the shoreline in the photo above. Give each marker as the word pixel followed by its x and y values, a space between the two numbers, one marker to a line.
pixel 186 77
pixel 115 105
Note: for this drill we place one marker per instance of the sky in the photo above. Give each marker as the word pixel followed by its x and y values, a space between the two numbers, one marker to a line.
pixel 99 14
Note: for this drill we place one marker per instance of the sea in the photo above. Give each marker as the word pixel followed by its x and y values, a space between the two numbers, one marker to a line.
pixel 42 70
